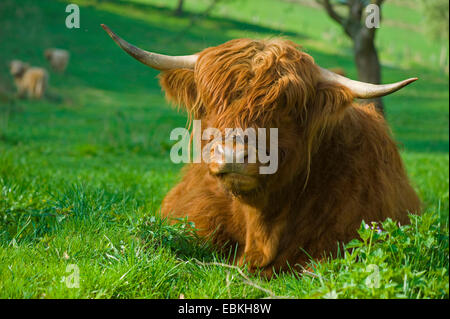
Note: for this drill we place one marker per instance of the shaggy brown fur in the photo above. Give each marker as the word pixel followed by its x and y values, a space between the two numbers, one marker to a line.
pixel 30 81
pixel 58 59
pixel 338 164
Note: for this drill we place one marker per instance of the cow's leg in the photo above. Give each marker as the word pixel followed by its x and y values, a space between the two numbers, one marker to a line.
pixel 21 92
pixel 262 240
pixel 204 203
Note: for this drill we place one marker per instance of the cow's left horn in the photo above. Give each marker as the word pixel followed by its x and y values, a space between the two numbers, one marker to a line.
pixel 157 61
pixel 363 90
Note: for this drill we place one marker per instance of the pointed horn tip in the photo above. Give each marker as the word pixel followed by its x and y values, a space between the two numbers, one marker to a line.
pixel 113 36
pixel 410 80
pixel 107 29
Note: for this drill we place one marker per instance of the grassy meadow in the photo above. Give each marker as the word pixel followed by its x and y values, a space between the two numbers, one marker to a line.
pixel 83 172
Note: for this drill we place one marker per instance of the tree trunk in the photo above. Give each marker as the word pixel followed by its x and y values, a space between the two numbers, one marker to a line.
pixel 367 63
pixel 179 9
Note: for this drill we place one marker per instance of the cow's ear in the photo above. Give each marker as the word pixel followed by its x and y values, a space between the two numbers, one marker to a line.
pixel 332 99
pixel 180 88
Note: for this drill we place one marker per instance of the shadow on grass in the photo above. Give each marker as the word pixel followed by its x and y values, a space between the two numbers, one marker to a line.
pixel 195 18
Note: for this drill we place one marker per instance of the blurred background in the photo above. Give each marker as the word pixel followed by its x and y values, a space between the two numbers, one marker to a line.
pixel 102 88
pixel 103 124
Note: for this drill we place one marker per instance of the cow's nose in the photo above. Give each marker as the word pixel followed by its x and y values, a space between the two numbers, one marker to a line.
pixel 228 154
pixel 225 159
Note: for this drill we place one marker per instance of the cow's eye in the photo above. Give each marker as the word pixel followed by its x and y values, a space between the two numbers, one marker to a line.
pixel 282 155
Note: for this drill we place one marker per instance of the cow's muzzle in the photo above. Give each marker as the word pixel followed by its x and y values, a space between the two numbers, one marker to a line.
pixel 235 164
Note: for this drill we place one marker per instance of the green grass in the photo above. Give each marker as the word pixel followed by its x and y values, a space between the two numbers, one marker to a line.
pixel 81 179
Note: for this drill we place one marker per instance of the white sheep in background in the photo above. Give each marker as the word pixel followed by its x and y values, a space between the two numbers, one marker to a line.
pixel 58 59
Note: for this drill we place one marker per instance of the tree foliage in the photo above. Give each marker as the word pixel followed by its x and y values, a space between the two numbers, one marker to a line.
pixel 436 18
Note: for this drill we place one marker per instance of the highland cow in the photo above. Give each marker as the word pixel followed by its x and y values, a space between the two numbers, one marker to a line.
pixel 338 164
pixel 30 81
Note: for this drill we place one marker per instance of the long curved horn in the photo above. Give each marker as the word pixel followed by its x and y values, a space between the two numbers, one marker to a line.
pixel 363 90
pixel 154 60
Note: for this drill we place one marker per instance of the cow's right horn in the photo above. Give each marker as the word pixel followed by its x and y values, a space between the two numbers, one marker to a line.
pixel 154 60
pixel 363 90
